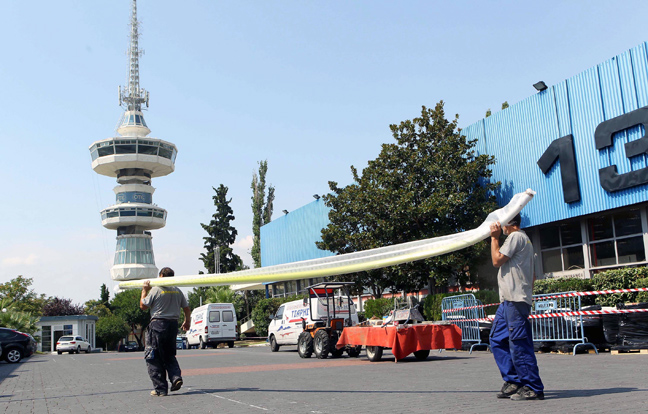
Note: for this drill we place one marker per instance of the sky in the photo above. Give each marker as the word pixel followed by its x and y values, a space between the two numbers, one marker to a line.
pixel 311 87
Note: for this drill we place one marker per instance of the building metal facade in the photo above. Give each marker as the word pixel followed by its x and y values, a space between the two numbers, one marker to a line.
pixel 582 146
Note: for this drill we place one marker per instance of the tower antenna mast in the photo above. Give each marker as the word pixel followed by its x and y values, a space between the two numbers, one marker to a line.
pixel 133 97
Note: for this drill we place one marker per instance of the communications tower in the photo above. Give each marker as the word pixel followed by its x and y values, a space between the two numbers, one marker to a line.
pixel 134 159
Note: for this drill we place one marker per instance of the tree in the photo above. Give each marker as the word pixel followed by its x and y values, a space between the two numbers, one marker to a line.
pixel 96 308
pixel 194 297
pixel 22 297
pixel 104 296
pixel 126 305
pixel 261 209
pixel 221 236
pixel 12 318
pixel 62 307
pixel 223 294
pixel 429 183
pixel 111 329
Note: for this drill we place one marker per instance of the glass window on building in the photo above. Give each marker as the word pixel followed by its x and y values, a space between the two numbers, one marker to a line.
pixel 561 247
pixel 67 329
pixel 47 339
pixel 616 238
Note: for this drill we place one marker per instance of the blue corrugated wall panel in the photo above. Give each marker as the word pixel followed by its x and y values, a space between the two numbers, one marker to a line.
pixel 291 238
pixel 519 135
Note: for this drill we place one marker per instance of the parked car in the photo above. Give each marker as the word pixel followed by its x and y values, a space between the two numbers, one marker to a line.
pixel 15 345
pixel 72 344
pixel 131 346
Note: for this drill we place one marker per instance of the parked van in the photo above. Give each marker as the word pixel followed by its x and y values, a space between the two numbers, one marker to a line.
pixel 212 324
pixel 288 322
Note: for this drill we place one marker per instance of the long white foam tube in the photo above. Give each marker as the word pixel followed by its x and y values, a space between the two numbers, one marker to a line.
pixel 350 262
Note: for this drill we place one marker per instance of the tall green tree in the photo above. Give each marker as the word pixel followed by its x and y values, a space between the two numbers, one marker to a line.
pixel 221 235
pixel 23 298
pixel 126 306
pixel 111 329
pixel 428 183
pixel 104 296
pixel 262 208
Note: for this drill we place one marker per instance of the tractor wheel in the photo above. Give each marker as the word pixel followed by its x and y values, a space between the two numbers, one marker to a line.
pixel 321 344
pixel 354 351
pixel 422 354
pixel 335 353
pixel 374 353
pixel 305 345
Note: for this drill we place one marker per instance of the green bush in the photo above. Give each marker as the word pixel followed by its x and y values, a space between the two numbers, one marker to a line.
pixel 266 308
pixel 378 307
pixel 630 277
pixel 558 285
pixel 432 306
pixel 432 303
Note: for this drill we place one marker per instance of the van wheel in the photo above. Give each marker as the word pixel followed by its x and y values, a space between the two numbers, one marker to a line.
pixel 202 345
pixel 274 346
pixel 374 353
pixel 321 344
pixel 305 345
pixel 230 344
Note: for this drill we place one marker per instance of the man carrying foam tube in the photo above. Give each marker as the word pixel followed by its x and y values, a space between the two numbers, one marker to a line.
pixel 511 339
pixel 165 303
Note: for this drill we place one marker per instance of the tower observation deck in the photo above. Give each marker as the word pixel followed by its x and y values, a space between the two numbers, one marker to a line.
pixel 134 159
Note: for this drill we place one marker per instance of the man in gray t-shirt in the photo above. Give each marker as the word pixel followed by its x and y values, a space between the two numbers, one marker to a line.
pixel 165 303
pixel 511 338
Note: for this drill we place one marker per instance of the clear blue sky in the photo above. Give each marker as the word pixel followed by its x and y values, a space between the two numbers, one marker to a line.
pixel 310 86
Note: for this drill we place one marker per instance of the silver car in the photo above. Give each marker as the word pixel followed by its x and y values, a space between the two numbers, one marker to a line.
pixel 72 344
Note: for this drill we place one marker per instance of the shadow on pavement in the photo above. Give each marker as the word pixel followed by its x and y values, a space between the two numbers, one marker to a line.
pixel 559 394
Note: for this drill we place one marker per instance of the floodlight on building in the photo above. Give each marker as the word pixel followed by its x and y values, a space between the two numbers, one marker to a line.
pixel 285 211
pixel 540 86
pixel 316 196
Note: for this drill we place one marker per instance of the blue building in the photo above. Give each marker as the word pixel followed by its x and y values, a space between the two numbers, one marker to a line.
pixel 581 145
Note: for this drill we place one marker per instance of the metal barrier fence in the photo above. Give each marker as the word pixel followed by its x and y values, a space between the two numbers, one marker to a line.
pixel 465 312
pixel 561 328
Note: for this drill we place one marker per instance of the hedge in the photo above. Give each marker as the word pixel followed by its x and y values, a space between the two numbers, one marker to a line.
pixel 265 308
pixel 378 307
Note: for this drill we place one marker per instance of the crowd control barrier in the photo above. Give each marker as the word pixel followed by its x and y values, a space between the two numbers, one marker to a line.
pixel 465 312
pixel 549 327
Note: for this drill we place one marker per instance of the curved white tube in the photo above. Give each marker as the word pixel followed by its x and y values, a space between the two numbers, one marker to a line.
pixel 351 262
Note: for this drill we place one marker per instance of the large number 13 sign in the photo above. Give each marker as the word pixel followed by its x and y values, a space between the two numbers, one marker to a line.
pixel 563 149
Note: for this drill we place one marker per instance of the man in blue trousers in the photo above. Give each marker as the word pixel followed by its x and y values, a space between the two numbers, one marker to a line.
pixel 511 338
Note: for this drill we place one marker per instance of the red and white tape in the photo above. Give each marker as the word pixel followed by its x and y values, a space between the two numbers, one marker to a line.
pixel 593 292
pixel 562 295
pixel 561 314
pixel 469 307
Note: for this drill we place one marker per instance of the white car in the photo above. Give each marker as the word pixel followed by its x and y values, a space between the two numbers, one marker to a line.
pixel 72 344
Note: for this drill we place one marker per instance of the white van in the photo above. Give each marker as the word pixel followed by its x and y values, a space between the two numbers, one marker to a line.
pixel 212 324
pixel 288 322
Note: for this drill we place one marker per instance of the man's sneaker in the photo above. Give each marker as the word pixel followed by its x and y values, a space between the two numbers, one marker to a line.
pixel 526 393
pixel 508 389
pixel 176 384
pixel 158 394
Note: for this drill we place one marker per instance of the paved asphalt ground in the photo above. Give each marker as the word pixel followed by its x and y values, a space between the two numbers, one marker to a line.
pixel 255 380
